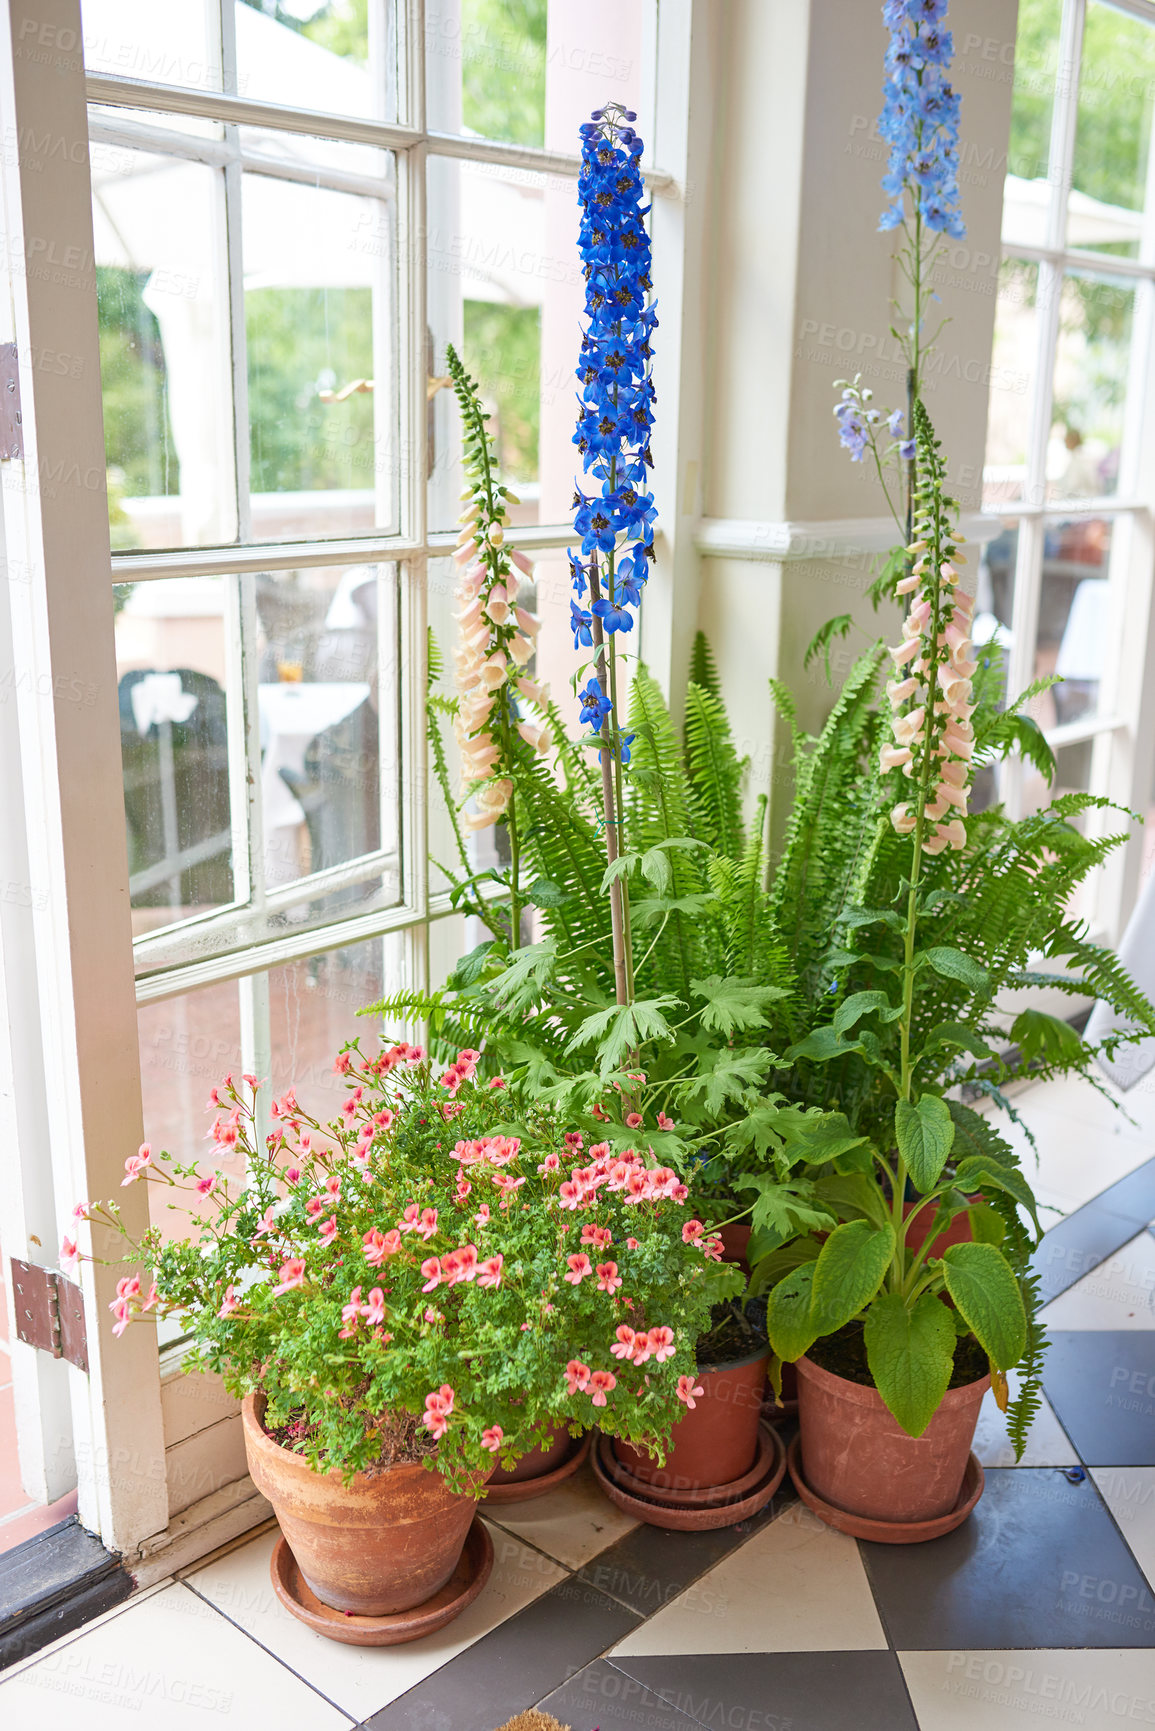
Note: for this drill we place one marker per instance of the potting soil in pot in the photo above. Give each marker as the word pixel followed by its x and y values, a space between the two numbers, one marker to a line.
pixel 844 1354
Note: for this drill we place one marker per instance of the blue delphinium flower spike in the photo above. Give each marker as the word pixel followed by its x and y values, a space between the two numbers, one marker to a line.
pixel 920 117
pixel 614 508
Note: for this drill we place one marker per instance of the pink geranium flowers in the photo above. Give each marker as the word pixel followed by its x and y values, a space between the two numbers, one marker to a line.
pixel 491 1279
pixel 438 1407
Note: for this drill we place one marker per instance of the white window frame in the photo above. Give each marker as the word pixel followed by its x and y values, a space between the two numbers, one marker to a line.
pixel 77 991
pixel 1123 728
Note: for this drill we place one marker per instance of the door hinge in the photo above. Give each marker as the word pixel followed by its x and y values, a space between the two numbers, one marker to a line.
pixel 49 1312
pixel 11 429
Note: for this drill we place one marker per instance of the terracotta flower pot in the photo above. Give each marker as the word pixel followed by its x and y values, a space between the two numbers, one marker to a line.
pixel 958 1232
pixel 856 1455
pixel 735 1241
pixel 380 1544
pixel 718 1440
pixel 536 1463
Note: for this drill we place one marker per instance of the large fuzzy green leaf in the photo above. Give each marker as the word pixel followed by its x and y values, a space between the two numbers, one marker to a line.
pixel 911 1355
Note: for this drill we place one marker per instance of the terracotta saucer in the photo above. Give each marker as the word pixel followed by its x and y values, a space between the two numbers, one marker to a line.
pixel 889 1532
pixel 460 1590
pixel 697 1496
pixel 679 1518
pixel 521 1490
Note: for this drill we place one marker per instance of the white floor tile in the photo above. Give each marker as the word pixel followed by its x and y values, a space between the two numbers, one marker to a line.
pixel 76 1634
pixel 1075 1160
pixel 168 1663
pixel 798 1586
pixel 362 1679
pixel 1129 1493
pixel 1119 1293
pixel 1099 1690
pixel 573 1523
pixel 1047 1444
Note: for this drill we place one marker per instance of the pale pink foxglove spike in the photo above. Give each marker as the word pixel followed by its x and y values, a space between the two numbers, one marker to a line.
pixel 953 833
pixel 898 690
pixel 466 552
pixel 955 774
pixel 472 821
pixel 905 652
pixel 907 727
pixel 533 691
pixel 936 808
pixel 520 649
pixel 903 819
pixel 956 796
pixel 893 757
pixel 522 561
pixel 495 797
pixel 528 622
pixel 934 844
pixel 908 584
pixel 497 605
pixel 493 672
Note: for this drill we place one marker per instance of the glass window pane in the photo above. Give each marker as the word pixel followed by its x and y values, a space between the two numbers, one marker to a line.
pixel 160 41
pixel 485 68
pixel 504 282
pixel 158 228
pixel 319 321
pixel 1091 369
pixel 187 1045
pixel 1074 617
pixel 313 1008
pixel 322 717
pixel 1113 132
pixel 1013 360
pixel 335 55
pixel 995 588
pixel 170 654
pixel 1027 191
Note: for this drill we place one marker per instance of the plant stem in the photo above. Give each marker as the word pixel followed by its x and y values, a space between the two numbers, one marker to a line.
pixel 618 890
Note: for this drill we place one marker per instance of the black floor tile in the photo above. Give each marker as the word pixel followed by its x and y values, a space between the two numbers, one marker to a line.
pixel 1079 1244
pixel 1039 1563
pixel 607 1698
pixel 1133 1195
pixel 513 1666
pixel 776 1691
pixel 648 1567
pixel 1102 1385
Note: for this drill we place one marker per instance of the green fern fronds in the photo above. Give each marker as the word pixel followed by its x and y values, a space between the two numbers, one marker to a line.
pixel 715 774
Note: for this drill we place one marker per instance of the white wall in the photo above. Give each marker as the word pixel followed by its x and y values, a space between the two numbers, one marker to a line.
pixel 799 295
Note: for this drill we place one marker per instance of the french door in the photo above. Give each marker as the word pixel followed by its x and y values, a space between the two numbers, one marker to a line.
pixel 239 235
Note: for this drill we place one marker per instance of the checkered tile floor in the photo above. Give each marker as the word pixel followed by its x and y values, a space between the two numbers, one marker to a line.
pixel 1041 1604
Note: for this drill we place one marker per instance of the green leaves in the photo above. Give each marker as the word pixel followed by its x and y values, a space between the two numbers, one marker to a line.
pixel 733 1005
pixel 911 1355
pixel 954 965
pixel 1038 1035
pixel 958 1035
pixel 849 1272
pixel 924 1134
pixel 788 1321
pixel 619 1030
pixel 783 1209
pixel 726 1075
pixel 860 1004
pixel 979 1170
pixel 522 984
pixel 984 1289
pixel 654 864
pixel 821 1046
pixel 546 894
